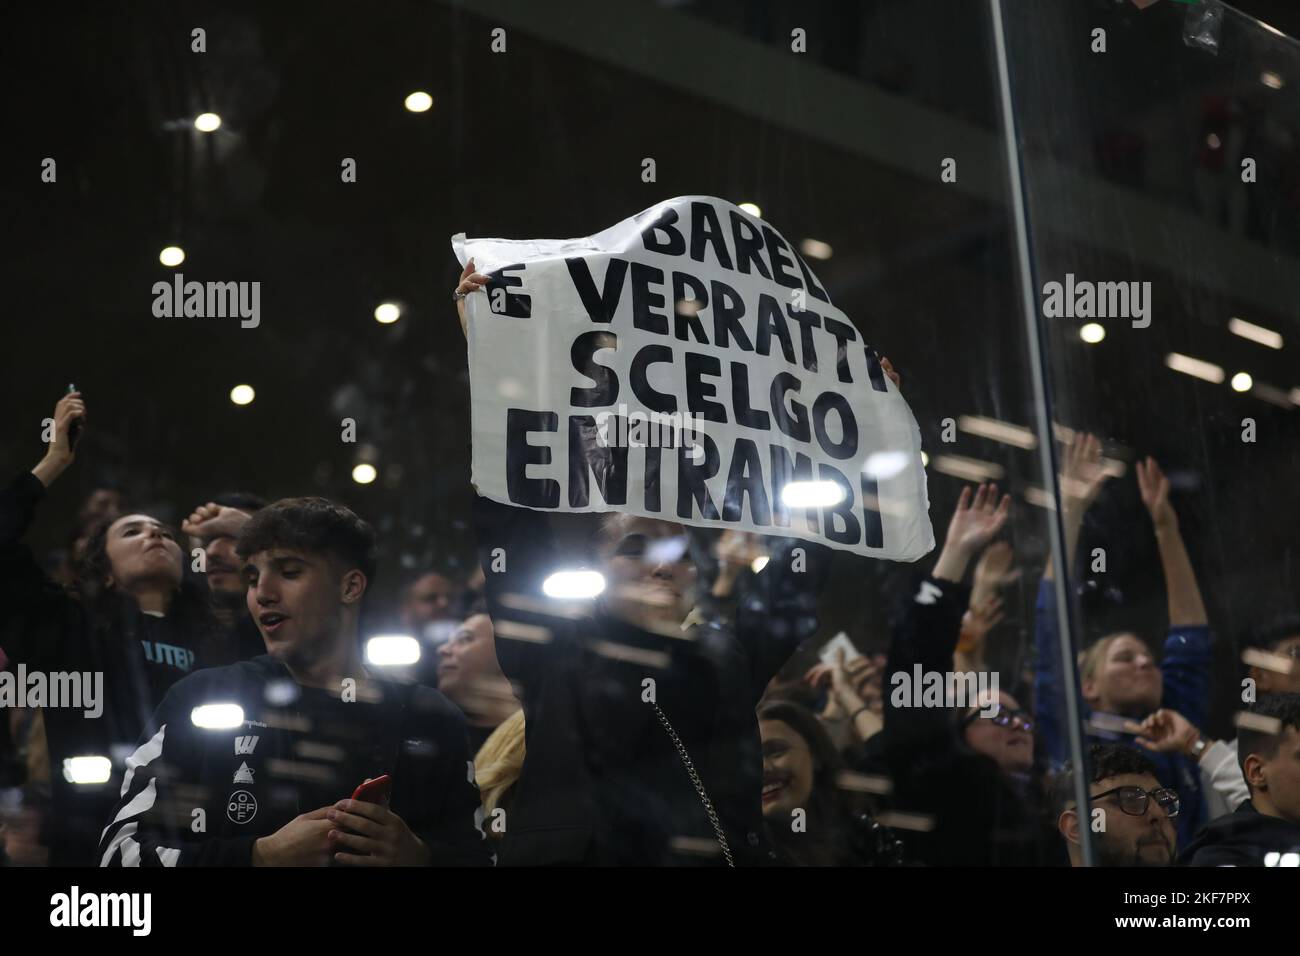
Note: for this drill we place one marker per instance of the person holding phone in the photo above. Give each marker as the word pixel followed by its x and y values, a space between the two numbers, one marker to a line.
pixel 265 752
pixel 131 616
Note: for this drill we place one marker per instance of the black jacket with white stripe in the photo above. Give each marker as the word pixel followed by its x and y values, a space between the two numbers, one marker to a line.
pixel 195 796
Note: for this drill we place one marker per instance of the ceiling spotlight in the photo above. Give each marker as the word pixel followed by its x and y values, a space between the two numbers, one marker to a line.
pixel 1256 333
pixel 364 474
pixel 752 209
pixel 172 256
pixel 419 102
pixel 1241 382
pixel 1092 333
pixel 207 122
pixel 242 394
pixel 816 249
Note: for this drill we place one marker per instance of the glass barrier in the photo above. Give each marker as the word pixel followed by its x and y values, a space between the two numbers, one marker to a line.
pixel 1157 154
pixel 639 434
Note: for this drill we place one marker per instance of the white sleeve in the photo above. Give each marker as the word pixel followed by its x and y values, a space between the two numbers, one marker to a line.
pixel 1221 775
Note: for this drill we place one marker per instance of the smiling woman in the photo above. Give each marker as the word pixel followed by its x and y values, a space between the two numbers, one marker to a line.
pixel 131 616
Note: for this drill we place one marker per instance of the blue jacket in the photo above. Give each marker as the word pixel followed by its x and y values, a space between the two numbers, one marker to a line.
pixel 1186 671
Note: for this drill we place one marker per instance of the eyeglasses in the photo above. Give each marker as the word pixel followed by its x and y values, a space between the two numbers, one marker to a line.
pixel 1003 718
pixel 1134 800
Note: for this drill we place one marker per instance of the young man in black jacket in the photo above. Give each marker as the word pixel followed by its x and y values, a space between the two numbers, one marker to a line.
pixel 1265 829
pixel 254 763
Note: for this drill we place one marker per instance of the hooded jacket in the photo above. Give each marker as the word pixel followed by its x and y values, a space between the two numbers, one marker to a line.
pixel 195 796
pixel 1244 837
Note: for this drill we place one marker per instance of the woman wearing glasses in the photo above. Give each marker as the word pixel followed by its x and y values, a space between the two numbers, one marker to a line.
pixel 962 784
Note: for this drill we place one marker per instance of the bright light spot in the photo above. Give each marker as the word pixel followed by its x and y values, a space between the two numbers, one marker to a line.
pixel 1241 382
pixel 1206 371
pixel 1290 859
pixel 1213 141
pixel 172 256
pixel 1270 79
pixel 885 464
pixel 574 585
pixel 925 460
pixel 387 312
pixel 1092 333
pixel 752 209
pixel 419 102
pixel 364 474
pixel 971 469
pixel 207 122
pixel 759 563
pixel 84 770
pixel 217 716
pixel 281 693
pixel 1256 333
pixel 812 494
pixel 242 394
pixel 392 650
pixel 1001 431
pixel 816 249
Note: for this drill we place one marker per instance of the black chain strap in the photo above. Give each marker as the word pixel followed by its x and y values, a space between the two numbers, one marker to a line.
pixel 699 784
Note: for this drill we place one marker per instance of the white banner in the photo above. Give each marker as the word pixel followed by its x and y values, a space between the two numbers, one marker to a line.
pixel 687 365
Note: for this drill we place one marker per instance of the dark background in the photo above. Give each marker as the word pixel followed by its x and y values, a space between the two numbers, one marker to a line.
pixel 547 141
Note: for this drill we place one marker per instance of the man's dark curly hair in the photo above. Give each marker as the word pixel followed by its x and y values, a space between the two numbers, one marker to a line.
pixel 1104 760
pixel 312 525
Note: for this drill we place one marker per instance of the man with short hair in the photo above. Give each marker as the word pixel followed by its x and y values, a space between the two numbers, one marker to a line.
pixel 1130 814
pixel 1266 828
pixel 215 527
pixel 254 763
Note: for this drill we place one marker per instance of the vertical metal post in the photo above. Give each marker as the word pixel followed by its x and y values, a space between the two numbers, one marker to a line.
pixel 1046 442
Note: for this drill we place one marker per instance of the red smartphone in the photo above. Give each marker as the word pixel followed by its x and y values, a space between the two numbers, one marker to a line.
pixel 374 791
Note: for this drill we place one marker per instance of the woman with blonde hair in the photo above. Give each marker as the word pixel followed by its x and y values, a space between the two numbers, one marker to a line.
pixel 497 768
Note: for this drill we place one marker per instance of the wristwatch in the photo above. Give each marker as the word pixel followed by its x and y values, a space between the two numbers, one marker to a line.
pixel 1198 748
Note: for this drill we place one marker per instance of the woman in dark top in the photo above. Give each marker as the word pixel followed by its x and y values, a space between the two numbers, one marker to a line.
pixel 134 619
pixel 812 820
pixel 965 769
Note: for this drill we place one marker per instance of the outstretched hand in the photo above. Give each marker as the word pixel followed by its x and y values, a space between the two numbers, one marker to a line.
pixel 1154 488
pixel 976 521
pixel 1082 473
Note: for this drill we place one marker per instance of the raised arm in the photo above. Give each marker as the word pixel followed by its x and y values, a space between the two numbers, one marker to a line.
pixel 1081 480
pixel 32 606
pixel 1186 608
pixel 926 630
